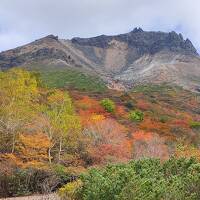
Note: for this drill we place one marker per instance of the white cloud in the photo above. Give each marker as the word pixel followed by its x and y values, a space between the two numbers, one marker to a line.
pixel 25 20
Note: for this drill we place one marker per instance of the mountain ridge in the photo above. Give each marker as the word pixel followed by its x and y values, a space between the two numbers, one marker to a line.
pixel 143 39
pixel 123 60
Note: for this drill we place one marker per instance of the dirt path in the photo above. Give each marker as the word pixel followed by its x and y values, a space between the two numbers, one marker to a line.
pixel 36 197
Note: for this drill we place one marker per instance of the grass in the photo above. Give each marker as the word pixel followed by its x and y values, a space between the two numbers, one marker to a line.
pixel 72 79
pixel 161 89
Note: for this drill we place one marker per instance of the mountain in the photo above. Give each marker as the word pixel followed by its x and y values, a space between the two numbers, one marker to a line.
pixel 122 61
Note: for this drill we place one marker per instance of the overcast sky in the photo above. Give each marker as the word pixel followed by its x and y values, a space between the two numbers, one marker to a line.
pixel 22 21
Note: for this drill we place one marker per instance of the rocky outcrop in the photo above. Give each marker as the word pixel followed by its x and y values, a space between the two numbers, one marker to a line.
pixel 144 42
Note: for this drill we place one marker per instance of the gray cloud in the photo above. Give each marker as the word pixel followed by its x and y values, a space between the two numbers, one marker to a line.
pixel 22 21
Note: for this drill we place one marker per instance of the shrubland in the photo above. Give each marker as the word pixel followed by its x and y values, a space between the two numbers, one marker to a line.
pixel 141 179
pixel 55 127
pixel 72 79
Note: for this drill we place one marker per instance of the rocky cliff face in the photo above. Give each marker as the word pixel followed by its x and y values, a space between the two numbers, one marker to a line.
pixel 127 59
pixel 143 42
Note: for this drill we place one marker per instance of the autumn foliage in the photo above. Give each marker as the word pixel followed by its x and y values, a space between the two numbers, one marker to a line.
pixel 48 129
pixel 109 140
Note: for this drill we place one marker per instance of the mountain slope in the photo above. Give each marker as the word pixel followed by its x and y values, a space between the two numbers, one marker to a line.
pixel 122 61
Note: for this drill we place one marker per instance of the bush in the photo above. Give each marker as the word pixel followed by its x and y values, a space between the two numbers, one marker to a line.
pixel 62 173
pixel 195 124
pixel 27 181
pixel 108 105
pixel 22 182
pixel 148 179
pixel 164 119
pixel 136 115
pixel 129 105
pixel 68 191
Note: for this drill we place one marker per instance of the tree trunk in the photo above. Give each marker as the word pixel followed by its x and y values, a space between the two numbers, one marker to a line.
pixel 13 143
pixel 60 150
pixel 49 155
pixel 51 145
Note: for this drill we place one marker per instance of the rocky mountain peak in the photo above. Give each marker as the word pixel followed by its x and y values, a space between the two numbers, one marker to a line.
pixel 53 37
pixel 137 30
pixel 144 42
pixel 122 60
pixel 48 38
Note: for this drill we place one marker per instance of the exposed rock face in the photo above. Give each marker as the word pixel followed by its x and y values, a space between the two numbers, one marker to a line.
pixel 144 42
pixel 127 59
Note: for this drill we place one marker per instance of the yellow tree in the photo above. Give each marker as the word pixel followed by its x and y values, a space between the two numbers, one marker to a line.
pixel 61 120
pixel 18 90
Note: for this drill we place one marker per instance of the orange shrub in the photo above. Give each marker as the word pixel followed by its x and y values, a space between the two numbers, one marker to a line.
pixel 109 141
pixel 120 111
pixel 155 126
pixel 142 135
pixel 89 104
pixel 143 105
pixel 150 145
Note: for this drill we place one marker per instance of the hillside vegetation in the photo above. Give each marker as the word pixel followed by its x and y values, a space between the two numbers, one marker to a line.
pixel 143 179
pixel 55 126
pixel 72 79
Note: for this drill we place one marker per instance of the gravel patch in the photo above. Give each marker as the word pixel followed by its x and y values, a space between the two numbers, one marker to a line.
pixel 36 197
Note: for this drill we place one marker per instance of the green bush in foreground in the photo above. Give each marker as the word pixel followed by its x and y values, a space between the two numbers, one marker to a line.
pixel 142 179
pixel 108 105
pixel 136 115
